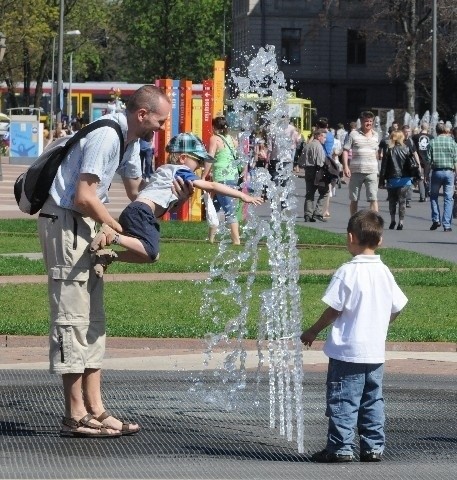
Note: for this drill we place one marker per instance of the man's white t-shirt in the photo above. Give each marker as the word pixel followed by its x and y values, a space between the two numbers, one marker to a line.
pixel 365 292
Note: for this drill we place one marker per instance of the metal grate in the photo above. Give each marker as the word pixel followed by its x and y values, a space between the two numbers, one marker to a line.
pixel 184 437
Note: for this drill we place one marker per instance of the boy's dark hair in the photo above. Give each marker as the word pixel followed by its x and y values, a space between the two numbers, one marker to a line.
pixel 367 226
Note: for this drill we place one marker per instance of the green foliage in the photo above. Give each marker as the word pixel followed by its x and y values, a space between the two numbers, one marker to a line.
pixel 173 38
pixel 427 317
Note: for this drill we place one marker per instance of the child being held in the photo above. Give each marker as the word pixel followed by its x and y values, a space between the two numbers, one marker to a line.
pixel 140 228
pixel 363 299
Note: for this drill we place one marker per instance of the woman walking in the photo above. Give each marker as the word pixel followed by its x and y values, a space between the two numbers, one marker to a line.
pixel 222 147
pixel 395 175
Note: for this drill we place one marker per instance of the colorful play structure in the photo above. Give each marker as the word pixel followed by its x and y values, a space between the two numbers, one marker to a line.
pixel 193 108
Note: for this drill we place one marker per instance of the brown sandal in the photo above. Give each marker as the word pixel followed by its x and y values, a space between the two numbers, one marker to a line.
pixel 125 430
pixel 99 431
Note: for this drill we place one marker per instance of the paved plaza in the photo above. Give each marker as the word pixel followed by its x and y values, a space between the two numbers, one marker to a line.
pixel 188 431
pixel 185 437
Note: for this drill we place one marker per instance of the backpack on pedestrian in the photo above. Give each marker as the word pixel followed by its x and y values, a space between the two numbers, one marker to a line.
pixel 31 188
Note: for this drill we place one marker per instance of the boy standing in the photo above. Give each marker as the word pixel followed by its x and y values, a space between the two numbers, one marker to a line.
pixel 363 299
pixel 140 228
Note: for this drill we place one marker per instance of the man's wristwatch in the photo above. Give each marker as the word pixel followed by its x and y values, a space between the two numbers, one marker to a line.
pixel 116 239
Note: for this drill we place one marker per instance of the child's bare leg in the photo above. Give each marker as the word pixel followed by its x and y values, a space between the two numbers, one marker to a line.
pixel 212 234
pixel 136 249
pixel 235 233
pixel 132 257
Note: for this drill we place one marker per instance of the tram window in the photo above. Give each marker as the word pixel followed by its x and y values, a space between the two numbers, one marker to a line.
pixel 297 122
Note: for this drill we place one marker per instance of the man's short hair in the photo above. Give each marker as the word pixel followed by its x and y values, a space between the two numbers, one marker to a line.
pixel 440 128
pixel 367 226
pixel 148 97
pixel 367 114
pixel 319 131
pixel 322 123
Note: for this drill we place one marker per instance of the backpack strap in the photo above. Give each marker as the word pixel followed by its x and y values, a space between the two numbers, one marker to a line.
pixel 104 122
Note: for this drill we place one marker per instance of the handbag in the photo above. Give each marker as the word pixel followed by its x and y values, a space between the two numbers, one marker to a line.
pixel 211 214
pixel 412 166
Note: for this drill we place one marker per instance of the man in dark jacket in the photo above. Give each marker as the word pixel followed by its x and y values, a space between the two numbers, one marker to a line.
pixel 312 159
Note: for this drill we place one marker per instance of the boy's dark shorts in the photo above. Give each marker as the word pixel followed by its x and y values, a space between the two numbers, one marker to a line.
pixel 137 220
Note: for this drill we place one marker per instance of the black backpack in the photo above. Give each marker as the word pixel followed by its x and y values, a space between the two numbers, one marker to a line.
pixel 31 188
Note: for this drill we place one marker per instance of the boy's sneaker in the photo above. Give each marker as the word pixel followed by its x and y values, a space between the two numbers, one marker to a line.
pixel 325 456
pixel 370 456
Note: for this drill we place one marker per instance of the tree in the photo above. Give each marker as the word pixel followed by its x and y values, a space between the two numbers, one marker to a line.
pixel 143 40
pixel 406 26
pixel 172 38
pixel 31 27
pixel 27 26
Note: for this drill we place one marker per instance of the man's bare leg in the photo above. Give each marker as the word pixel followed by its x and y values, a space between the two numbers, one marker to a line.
pixel 353 207
pixel 374 205
pixel 74 401
pixel 91 385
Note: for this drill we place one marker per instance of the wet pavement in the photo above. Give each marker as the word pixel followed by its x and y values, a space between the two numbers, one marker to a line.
pixel 188 431
pixel 186 436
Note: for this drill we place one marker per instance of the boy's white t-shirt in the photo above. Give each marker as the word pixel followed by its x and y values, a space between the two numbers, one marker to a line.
pixel 365 292
pixel 159 191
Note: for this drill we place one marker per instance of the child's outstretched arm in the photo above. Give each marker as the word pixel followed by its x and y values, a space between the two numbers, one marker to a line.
pixel 225 190
pixel 327 318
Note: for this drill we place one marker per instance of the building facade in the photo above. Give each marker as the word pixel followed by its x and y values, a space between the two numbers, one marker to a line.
pixel 321 49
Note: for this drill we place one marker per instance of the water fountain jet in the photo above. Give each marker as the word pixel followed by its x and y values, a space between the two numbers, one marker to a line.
pixel 279 316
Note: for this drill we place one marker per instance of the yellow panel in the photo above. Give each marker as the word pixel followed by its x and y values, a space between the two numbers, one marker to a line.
pixel 197 116
pixel 218 88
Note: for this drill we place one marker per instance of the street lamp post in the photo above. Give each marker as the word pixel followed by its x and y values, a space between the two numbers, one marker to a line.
pixel 60 77
pixel 70 103
pixel 51 120
pixel 434 60
pixel 2 54
pixel 59 105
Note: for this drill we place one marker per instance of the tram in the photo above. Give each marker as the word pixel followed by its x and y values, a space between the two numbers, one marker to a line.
pixel 89 100
pixel 300 110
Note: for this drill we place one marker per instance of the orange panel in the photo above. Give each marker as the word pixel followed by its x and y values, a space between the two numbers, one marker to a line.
pixel 164 135
pixel 185 106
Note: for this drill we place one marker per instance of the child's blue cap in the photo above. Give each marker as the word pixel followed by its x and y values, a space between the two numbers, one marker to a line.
pixel 191 144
